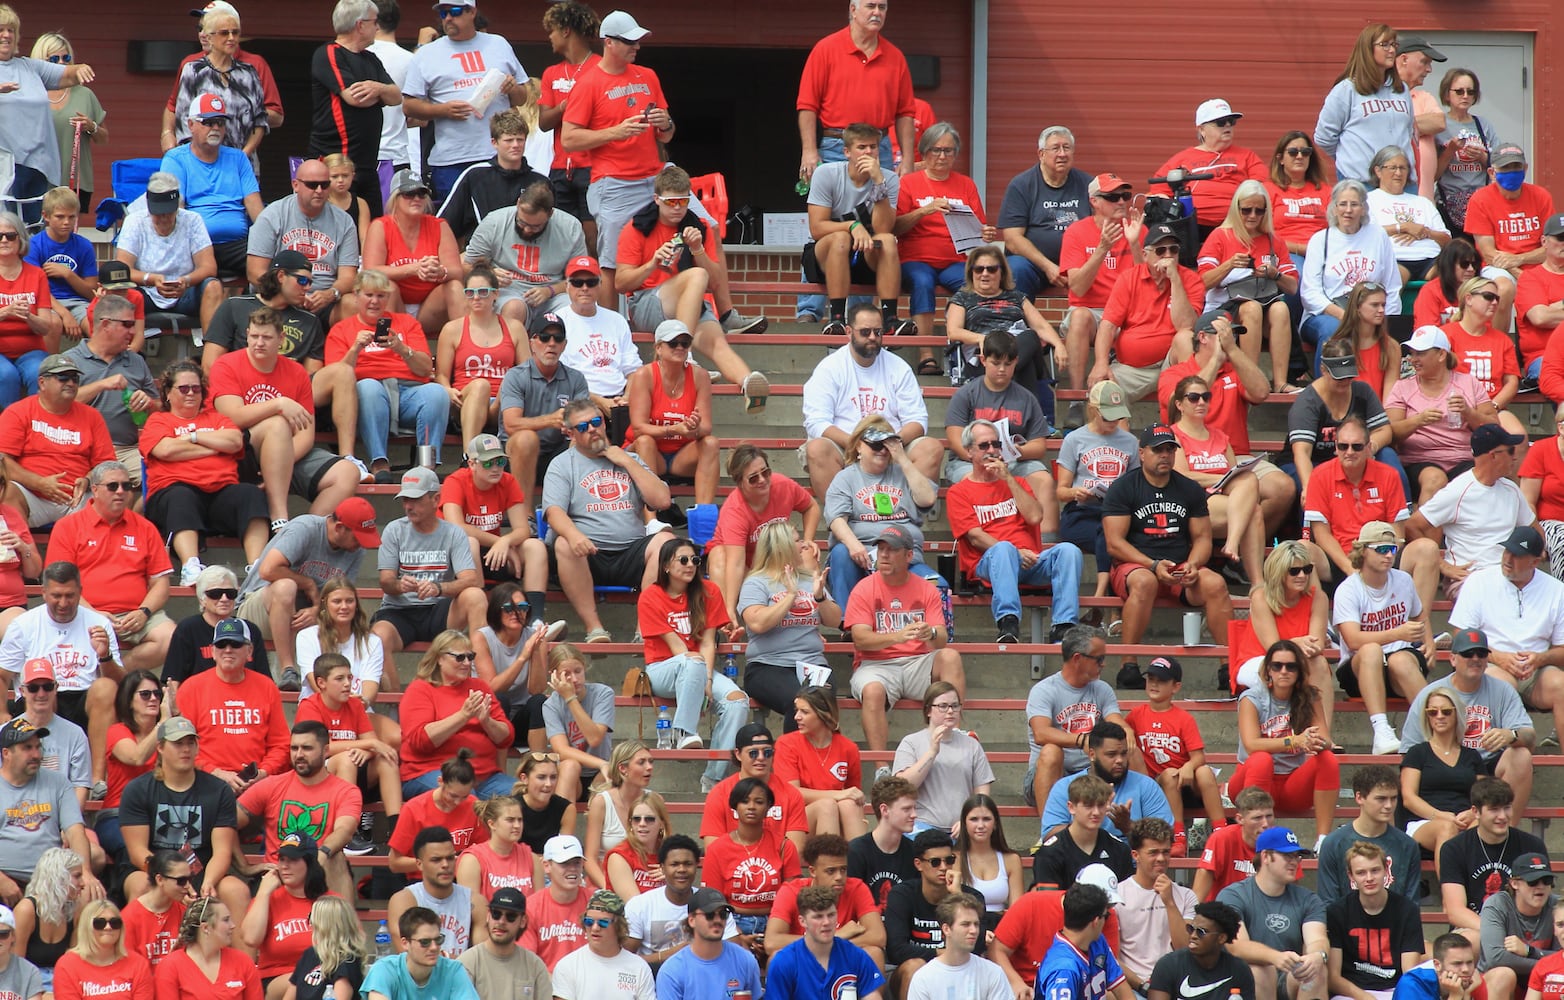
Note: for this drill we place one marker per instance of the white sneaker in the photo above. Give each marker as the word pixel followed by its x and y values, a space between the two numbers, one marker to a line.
pixel 691 741
pixel 657 524
pixel 190 572
pixel 364 475
pixel 1386 741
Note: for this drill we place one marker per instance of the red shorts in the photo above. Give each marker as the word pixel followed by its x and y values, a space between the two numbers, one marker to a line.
pixel 1119 582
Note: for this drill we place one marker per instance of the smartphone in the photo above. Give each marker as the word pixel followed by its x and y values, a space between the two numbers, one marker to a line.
pixel 383 329
pixel 646 115
pixel 249 772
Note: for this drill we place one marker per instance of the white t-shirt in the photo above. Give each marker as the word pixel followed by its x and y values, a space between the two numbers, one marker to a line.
pixel 368 660
pixel 171 255
pixel 599 347
pixel 446 70
pixel 1408 206
pixel 842 392
pixel 1477 519
pixel 976 978
pixel 67 646
pixel 658 923
pixel 395 136
pixel 1376 610
pixel 1144 936
pixel 585 975
pixel 1527 619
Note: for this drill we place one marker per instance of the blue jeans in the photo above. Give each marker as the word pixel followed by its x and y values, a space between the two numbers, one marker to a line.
pixel 1081 525
pixel 109 836
pixel 845 574
pixel 918 280
pixel 683 678
pixel 498 783
pixel 19 376
pixel 1060 567
pixel 832 151
pixel 750 923
pixel 1534 370
pixel 1029 280
pixel 1314 332
pixel 427 406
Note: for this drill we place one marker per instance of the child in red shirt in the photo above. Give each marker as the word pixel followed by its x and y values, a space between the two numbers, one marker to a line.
pixel 1172 747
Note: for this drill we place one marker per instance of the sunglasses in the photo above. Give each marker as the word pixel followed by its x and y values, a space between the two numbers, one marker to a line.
pixel 40 687
pixel 1303 570
pixel 315 185
pixel 5 934
pixel 514 607
pixel 1458 91
pixel 73 377
pixel 490 463
pixel 624 41
pixel 1301 152
pixel 985 268
pixel 304 280
pixel 1386 550
pixel 1227 122
pixel 1371 286
pixel 679 343
pixel 150 694
pixel 215 122
pixel 987 446
pixel 64 57
pixel 1198 397
pixel 463 657
pixel 1474 654
pixel 585 282
pixel 222 593
pixel 587 425
pixel 504 916
pixel 721 913
pixel 876 446
pixel 1201 932
pixel 1252 211
pixel 643 819
pixel 116 485
pixel 687 560
pixel 1117 196
pixel 1285 666
pixel 756 478
pixel 1165 251
pixel 481 292
pixel 185 390
pixel 1490 296
pixel 1350 445
pixel 760 753
pixel 943 861
pixel 550 338
pixel 674 202
pixel 429 942
pixel 540 756
pixel 869 331
pixel 1439 713
pixel 591 922
pixel 228 645
pixel 107 923
pixel 445 12
pixel 9 237
pixel 180 880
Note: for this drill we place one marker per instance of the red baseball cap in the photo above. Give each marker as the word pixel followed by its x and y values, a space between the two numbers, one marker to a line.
pixel 583 263
pixel 37 669
pixel 1109 182
pixel 356 513
pixel 209 106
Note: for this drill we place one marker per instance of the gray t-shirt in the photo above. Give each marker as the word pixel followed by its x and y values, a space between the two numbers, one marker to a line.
pixel 524 388
pixel 36 815
pixel 1275 723
pixel 795 638
pixel 303 543
pixel 110 403
pixel 503 656
pixel 170 255
pixel 436 556
pixel 854 494
pixel 1098 459
pixel 20 980
pixel 65 752
pixel 1072 709
pixel 1404 856
pixel 539 261
pixel 599 704
pixel 832 188
pixel 958 769
pixel 598 496
pixel 1274 921
pixel 1464 176
pixel 330 240
pixel 1494 705
pixel 976 401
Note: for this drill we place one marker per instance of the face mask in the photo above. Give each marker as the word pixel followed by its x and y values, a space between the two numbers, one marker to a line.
pixel 1510 180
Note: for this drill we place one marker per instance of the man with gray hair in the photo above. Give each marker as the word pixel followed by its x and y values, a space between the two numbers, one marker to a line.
pixel 1039 205
pixel 218 183
pixel 116 380
pixel 1063 708
pixel 348 87
pixel 170 252
pixel 998 524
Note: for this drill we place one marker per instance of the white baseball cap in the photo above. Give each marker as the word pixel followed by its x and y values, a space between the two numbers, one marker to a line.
pixel 622 25
pixel 1103 878
pixel 1427 337
pixel 1210 111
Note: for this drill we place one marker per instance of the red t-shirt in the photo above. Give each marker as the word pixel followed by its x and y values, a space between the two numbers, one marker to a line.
pixel 1431 308
pixel 1537 286
pixel 288 934
pixel 636 248
pixel 151 935
pixel 1543 462
pixel 554 929
pixel 1166 738
pixel 290 806
pixel 841 85
pixel 1217 178
pixel 738 524
pixel 512 872
pixel 601 100
pixel 1547 977
pixel 234 374
pixel 13 589
pixel 179 978
pixel 928 241
pixel 66 444
pixel 1488 357
pixel 1298 213
pixel 750 875
pixel 1229 407
pixel 483 509
pixel 785 816
pixel 645 878
pixel 30 287
pixel 555 85
pixel 852 902
pixel 421 812
pixel 1515 225
pixel 1208 456
pixel 658 613
pixel 211 472
pixel 423 703
pixel 118 561
pixel 1347 508
pixel 1223 243
pixel 238 723
pixel 350 722
pixel 836 767
pixel 1079 242
pixel 128 978
pixel 1227 857
pixel 117 773
pixel 1140 309
pixel 992 508
pixel 376 360
pixel 885 608
pixel 1028 929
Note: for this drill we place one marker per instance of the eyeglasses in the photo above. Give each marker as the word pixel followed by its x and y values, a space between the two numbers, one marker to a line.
pixel 40 687
pixel 540 756
pixel 184 390
pixel 504 916
pixel 481 292
pixel 107 923
pixel 987 446
pixel 585 282
pixel 1284 665
pixel 1390 45
pixel 229 645
pixel 1117 196
pixel 1165 251
pixel 304 280
pixel 643 819
pixel 674 202
pixel 314 185
pixel 1301 152
pixel 429 942
pixel 985 268
pixel 1227 122
pixel 1386 550
pixel 150 694
pixel 1198 397
pixel 687 560
pixel 115 485
pixel 514 607
pixel 679 343
pixel 1490 296
pixel 1464 91
pixel 941 151
pixel 946 706
pixel 463 657
pixel 1252 211
pixel 760 753
pixel 180 880
pixel 942 861
pixel 222 593
pixel 591 922
pixel 756 478
pixel 587 425
pixel 1303 570
pixel 1395 168
pixel 1351 445
pixel 549 338
pixel 63 57
pixel 452 11
pixel 869 331
pixel 1439 713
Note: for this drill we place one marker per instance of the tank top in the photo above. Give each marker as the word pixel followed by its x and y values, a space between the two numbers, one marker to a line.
pixel 995 891
pixel 472 361
pixel 645 879
pixel 1208 456
pixel 514 871
pixel 45 953
pixel 455 913
pixel 287 933
pixel 666 410
pixel 413 289
pixel 613 827
pixel 1289 622
pixel 538 825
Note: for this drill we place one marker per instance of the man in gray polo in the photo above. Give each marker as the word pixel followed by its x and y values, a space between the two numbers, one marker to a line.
pixel 528 247
pixel 532 404
pixel 116 380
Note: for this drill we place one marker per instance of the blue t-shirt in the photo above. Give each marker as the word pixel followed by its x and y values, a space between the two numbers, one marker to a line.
pixel 793 973
pixel 688 977
pixel 1066 974
pixel 215 191
pixel 75 253
pixel 1146 800
pixel 389 977
pixel 1421 982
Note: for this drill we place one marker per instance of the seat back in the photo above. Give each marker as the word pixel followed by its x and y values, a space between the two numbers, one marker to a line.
pixel 712 190
pixel 129 178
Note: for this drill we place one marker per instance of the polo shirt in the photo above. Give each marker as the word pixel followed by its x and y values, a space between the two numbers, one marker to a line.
pixel 1515 619
pixel 1344 508
pixel 1140 309
pixel 842 85
pixel 527 389
pixel 118 560
pixel 110 403
pixel 1229 409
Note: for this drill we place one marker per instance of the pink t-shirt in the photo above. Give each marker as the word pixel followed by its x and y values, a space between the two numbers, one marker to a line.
pixel 1438 443
pixel 1208 456
pixel 738 524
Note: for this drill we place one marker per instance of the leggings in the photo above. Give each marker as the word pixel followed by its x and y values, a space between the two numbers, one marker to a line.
pixel 1293 791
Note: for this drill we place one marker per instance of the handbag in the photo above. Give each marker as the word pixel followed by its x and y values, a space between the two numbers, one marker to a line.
pixel 638 686
pixel 1254 288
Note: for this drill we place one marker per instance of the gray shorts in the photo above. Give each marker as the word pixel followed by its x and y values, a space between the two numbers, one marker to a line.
pixel 613 201
pixel 41 512
pixel 646 310
pixel 1069 314
pixel 515 290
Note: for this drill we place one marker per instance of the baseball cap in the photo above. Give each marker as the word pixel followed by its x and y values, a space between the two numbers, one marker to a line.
pixel 583 265
pixel 1341 369
pixel 1206 321
pixel 58 364
pixel 215 7
pixel 1523 541
pixel 418 482
pixel 1376 532
pixel 1531 867
pixel 456 3
pixel 621 25
pixel 209 106
pixel 1107 182
pixel 875 435
pixel 290 260
pixel 115 274
pixel 1426 338
pixel 37 669
pixel 705 900
pixel 1157 435
pixel 1508 154
pixel 230 630
pixel 1412 43
pixel 544 322
pixel 562 848
pixel 509 900
pixel 608 901
pixel 669 330
pixel 1103 878
pixel 1165 668
pixel 895 536
pixel 1278 838
pixel 1158 233
pixel 1210 111
pixel 356 513
pixel 750 734
pixel 174 729
pixel 1109 400
pixel 1469 639
pixel 408 181
pixel 162 202
pixel 1554 226
pixel 7 917
pixel 19 730
pixel 485 447
pixel 297 846
pixel 1490 436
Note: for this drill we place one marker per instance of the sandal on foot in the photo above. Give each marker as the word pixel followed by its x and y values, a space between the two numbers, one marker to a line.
pixel 930 366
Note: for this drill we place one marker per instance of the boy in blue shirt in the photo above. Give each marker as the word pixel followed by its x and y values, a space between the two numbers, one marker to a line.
pixel 420 972
pixel 819 964
pixel 67 258
pixel 1080 965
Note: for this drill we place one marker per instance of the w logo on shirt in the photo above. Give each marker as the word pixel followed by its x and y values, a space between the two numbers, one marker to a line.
pixel 470 62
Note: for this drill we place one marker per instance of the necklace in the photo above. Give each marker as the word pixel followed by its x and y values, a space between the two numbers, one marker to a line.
pixel 1488 857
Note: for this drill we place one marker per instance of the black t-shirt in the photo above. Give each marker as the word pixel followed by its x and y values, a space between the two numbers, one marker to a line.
pixel 180 821
pixel 190 650
pixel 1443 786
pixel 1372 944
pixel 1159 515
pixel 335 125
pixel 1483 869
pixel 1178 975
pixel 312 983
pixel 879 871
pixel 911 928
pixel 538 825
pixel 1310 420
pixel 1060 858
pixel 302 338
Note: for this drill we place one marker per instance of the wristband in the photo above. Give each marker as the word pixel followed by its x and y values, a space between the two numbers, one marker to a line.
pixel 146 611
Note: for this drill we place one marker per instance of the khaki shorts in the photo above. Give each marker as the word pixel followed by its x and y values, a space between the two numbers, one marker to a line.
pixel 1264 468
pixel 1138 383
pixel 158 618
pixel 130 457
pixel 253 610
pixel 903 676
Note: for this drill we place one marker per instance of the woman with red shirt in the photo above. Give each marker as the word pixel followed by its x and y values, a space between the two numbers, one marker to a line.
pixel 1542 481
pixel 1206 455
pixel 1244 261
pixel 760 496
pixel 632 867
pixel 670 413
pixel 823 765
pixel 208 967
pixel 476 351
pixel 29 326
pixel 1485 353
pixel 417 250
pixel 153 919
pixel 447 709
pixel 680 637
pixel 386 347
pixel 1300 189
pixel 99 966
pixel 1435 302
pixel 1363 326
pixel 277 925
pixel 929 256
pixel 449 804
pixel 1216 165
pixel 503 861
pixel 1285 604
pixel 139 705
pixel 749 864
pixel 24 561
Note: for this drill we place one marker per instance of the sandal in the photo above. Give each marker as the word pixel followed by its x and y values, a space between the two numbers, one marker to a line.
pixel 930 366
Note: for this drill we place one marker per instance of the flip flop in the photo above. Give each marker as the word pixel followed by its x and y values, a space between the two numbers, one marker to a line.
pixel 930 366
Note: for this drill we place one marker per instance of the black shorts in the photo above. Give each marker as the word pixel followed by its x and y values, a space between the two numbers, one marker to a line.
pixel 623 568
pixel 229 511
pixel 861 273
pixel 570 191
pixel 307 471
pixel 525 717
pixel 1417 270
pixel 418 623
pixel 1414 469
pixel 1349 680
pixel 71 705
pixel 546 456
pixel 232 258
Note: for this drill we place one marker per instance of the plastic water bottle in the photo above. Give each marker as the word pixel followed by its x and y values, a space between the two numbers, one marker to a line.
pixel 664 729
pixel 382 943
pixel 730 670
pixel 849 990
pixel 137 418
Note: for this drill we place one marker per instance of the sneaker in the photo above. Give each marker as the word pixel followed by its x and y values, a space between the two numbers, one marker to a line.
pixel 1234 575
pixel 190 571
pixel 1115 628
pixel 835 328
pixel 98 792
pixel 657 524
pixel 1550 740
pixel 1180 844
pixel 1199 833
pixel 883 771
pixel 675 517
pixel 904 328
pixel 688 741
pixel 1130 678
pixel 1009 630
pixel 1442 640
pixel 597 635
pixel 359 846
pixel 756 389
pixel 1528 384
pixel 1056 634
pixel 707 785
pixel 1386 742
pixel 364 475
pixel 735 323
pixel 1075 414
pixel 290 680
pixel 1223 681
pixel 806 317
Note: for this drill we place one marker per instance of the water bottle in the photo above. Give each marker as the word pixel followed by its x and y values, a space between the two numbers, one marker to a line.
pixel 139 419
pixel 950 614
pixel 849 990
pixel 664 729
pixel 382 943
pixel 730 670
